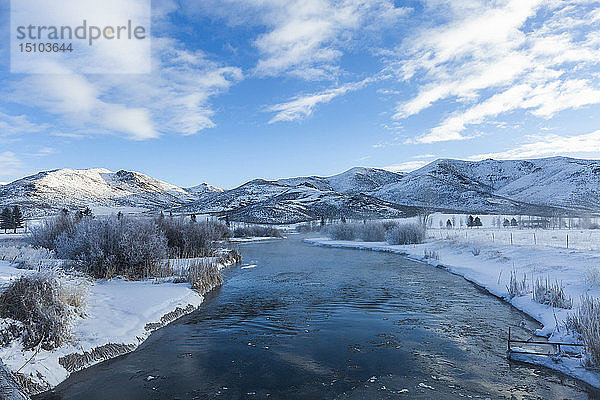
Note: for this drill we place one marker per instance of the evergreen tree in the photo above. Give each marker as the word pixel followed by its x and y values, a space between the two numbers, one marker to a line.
pixel 322 221
pixel 449 224
pixel 17 218
pixel 470 221
pixel 119 215
pixel 506 222
pixel 343 219
pixel 6 219
pixel 513 222
pixel 477 222
pixel 193 217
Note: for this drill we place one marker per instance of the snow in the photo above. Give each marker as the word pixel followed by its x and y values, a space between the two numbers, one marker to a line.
pixel 117 312
pixel 491 269
pixel 96 188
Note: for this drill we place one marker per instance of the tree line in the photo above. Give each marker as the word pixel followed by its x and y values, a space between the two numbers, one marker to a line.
pixel 11 219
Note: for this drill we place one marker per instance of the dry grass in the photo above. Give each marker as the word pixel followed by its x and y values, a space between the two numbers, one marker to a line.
pixel 204 276
pixel 517 287
pixel 39 302
pixel 552 294
pixel 586 322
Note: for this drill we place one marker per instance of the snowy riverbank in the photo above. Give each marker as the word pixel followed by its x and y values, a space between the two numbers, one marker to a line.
pixel 117 317
pixel 490 266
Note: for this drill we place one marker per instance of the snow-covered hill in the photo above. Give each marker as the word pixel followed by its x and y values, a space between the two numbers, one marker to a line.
pixel 557 185
pixel 97 188
pixel 203 188
pixel 304 198
pixel 540 186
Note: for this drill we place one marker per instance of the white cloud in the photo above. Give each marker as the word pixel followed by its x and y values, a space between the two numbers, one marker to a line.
pixel 303 106
pixel 174 99
pixel 545 54
pixel 407 166
pixel 9 164
pixel 305 39
pixel 13 125
pixel 550 145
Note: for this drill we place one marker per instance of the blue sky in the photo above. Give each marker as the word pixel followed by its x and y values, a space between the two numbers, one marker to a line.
pixel 263 88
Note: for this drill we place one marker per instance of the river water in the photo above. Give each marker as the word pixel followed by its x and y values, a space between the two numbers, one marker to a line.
pixel 310 322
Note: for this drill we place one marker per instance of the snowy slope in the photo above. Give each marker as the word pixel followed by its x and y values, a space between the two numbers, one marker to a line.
pixel 354 181
pixel 541 186
pixel 557 185
pixel 97 188
pixel 304 198
pixel 203 188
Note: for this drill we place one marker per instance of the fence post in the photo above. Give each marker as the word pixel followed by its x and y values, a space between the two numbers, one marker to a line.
pixel 534 239
pixel 508 345
pixel 567 240
pixel 511 239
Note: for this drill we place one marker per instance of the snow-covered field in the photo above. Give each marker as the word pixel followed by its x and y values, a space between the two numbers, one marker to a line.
pixel 489 264
pixel 117 317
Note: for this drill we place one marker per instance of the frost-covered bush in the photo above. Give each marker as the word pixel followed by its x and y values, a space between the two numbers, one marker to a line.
pixel 342 231
pixel 28 256
pixel 406 234
pixel 257 231
pixel 191 238
pixel 371 232
pixel 586 322
pixel 475 251
pixel 45 234
pixel 517 287
pixel 552 294
pixel 37 302
pixel 307 227
pixel 114 246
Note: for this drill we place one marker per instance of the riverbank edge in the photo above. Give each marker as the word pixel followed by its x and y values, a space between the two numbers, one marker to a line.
pixel 567 366
pixel 92 356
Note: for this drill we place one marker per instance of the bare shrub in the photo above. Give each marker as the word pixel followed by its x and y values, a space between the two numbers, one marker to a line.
pixel 257 231
pixel 342 231
pixel 187 239
pixel 517 287
pixel 45 234
pixel 475 251
pixel 36 302
pixel 552 294
pixel 406 234
pixel 204 275
pixel 431 254
pixel 586 322
pixel 371 232
pixel 108 247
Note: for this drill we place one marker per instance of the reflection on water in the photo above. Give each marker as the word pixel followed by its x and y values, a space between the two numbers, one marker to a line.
pixel 320 323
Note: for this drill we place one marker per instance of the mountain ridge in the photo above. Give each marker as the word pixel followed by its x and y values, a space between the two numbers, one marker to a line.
pixel 544 186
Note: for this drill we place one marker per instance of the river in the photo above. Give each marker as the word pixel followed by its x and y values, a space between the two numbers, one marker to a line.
pixel 310 322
